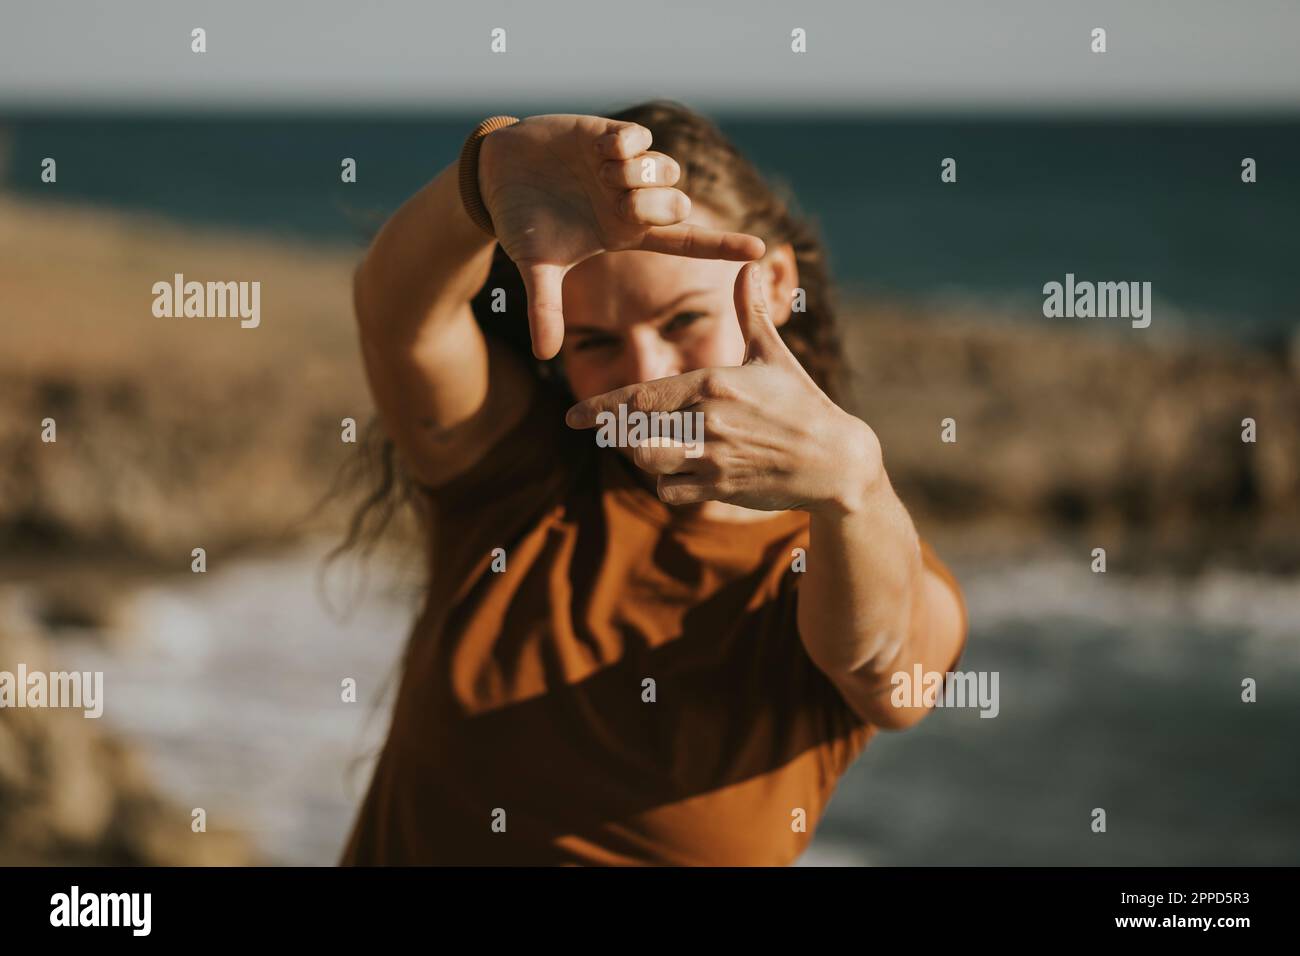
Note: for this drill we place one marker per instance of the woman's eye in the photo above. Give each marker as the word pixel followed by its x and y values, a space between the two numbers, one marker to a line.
pixel 586 345
pixel 681 320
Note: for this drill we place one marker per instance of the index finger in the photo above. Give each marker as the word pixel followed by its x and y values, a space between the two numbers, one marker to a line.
pixel 697 243
pixel 658 395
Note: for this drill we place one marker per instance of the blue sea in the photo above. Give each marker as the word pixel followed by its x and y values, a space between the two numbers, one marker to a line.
pixel 1157 199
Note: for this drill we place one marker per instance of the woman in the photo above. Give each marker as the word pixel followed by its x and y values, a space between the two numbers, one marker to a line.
pixel 650 654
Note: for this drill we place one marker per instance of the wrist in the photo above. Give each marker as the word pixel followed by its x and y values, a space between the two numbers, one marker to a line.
pixel 472 188
pixel 858 481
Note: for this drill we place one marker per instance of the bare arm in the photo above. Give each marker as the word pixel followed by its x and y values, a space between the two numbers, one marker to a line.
pixel 444 395
pixel 868 606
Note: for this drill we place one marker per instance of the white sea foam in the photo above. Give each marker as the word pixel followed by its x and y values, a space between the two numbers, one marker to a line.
pixel 1219 600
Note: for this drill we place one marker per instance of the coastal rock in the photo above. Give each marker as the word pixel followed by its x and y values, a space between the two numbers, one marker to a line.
pixel 71 793
pixel 174 434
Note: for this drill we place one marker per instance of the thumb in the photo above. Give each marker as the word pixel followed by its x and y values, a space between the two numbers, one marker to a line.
pixel 544 286
pixel 762 341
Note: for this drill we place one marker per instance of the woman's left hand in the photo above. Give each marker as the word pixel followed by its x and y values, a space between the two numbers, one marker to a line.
pixel 773 440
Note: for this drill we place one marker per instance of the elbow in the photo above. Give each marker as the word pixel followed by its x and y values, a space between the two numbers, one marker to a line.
pixel 889 710
pixel 900 718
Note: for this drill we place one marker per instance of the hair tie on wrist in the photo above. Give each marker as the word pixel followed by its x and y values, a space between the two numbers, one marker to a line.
pixel 470 197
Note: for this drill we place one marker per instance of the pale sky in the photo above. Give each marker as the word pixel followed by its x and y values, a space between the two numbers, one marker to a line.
pixel 1220 55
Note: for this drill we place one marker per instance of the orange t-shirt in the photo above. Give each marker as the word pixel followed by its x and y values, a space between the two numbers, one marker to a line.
pixel 630 689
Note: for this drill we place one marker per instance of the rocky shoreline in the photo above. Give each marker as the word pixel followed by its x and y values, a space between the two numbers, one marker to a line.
pixel 71 793
pixel 174 434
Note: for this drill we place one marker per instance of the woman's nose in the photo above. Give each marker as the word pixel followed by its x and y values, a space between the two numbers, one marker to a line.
pixel 653 359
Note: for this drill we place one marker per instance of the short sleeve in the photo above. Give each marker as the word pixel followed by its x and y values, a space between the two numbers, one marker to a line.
pixel 522 476
pixel 528 454
pixel 933 563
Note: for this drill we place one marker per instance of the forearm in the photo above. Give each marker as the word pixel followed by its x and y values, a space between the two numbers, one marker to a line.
pixel 443 398
pixel 856 603
pixel 868 606
pixel 427 262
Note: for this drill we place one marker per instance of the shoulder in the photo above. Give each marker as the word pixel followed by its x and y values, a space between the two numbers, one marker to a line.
pixel 530 447
pixel 525 473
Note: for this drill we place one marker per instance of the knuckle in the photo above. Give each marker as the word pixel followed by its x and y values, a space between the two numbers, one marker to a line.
pixel 640 401
pixel 614 173
pixel 627 205
pixel 709 465
pixel 643 457
pixel 715 385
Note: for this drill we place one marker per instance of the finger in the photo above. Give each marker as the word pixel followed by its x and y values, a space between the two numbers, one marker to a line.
pixel 623 140
pixel 697 243
pixel 661 456
pixel 654 206
pixel 685 489
pixel 544 286
pixel 762 341
pixel 648 169
pixel 661 394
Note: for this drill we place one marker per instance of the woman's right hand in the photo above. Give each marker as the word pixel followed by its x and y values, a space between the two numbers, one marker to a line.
pixel 563 188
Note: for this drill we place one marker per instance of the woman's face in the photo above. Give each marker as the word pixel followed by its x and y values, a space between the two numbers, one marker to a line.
pixel 631 317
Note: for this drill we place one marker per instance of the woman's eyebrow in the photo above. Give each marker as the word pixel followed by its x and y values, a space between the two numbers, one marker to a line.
pixel 578 328
pixel 587 329
pixel 682 298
